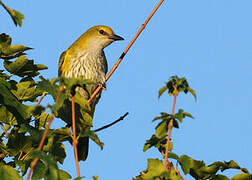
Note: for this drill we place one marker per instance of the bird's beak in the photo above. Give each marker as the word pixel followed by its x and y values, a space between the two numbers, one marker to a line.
pixel 116 37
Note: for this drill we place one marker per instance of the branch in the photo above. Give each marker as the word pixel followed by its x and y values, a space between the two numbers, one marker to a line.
pixel 75 141
pixel 126 50
pixel 170 126
pixel 111 124
pixel 5 131
pixel 26 154
pixel 41 98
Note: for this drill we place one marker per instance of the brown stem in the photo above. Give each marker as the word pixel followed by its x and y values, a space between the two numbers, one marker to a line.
pixel 5 131
pixel 74 138
pixel 35 160
pixel 41 98
pixel 26 154
pixel 169 130
pixel 126 50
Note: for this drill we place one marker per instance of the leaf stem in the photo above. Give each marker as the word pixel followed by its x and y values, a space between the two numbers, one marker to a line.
pixel 75 141
pixel 170 126
pixel 5 131
pixel 97 90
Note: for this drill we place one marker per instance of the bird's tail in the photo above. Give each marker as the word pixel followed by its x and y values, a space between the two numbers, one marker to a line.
pixel 82 148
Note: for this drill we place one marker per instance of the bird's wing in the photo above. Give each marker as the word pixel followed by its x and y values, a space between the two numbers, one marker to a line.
pixel 61 61
pixel 105 62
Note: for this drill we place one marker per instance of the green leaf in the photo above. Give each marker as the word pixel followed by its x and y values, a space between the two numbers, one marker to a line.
pixel 244 170
pixel 16 16
pixel 180 115
pixel 48 86
pixel 7 51
pixel 36 134
pixel 164 116
pixel 95 177
pixel 10 101
pixel 6 116
pixel 79 178
pixel 193 93
pixel 219 177
pixel 242 177
pixel 39 171
pixel 8 173
pixel 26 90
pixel 18 142
pixel 23 67
pixel 159 143
pixel 155 168
pixel 198 170
pixel 50 165
pixel 173 156
pixel 162 129
pixel 63 175
pixel 55 148
pixel 3 75
pixel 162 90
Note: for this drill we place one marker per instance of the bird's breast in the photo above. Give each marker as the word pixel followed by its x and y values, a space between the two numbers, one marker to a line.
pixel 89 65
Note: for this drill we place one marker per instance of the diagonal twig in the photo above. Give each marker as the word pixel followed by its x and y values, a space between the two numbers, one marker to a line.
pixel 5 131
pixel 111 124
pixel 41 98
pixel 126 50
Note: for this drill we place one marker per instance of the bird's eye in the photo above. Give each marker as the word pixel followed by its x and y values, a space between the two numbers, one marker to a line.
pixel 102 32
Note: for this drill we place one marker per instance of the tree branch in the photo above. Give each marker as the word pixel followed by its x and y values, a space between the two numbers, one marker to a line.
pixel 111 124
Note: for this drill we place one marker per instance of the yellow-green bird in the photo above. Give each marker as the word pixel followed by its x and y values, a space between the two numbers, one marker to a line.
pixel 85 58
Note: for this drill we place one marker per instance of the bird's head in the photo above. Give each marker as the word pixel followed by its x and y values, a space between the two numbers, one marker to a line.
pixel 100 37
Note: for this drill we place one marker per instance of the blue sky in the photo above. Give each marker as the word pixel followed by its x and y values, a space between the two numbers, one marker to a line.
pixel 208 42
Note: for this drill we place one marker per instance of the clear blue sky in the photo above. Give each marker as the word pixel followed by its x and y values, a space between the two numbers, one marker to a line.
pixel 208 42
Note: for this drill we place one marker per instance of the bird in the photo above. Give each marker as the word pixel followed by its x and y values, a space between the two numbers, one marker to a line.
pixel 86 58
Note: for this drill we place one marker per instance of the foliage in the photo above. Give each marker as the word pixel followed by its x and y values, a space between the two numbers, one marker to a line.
pixel 24 122
pixel 197 169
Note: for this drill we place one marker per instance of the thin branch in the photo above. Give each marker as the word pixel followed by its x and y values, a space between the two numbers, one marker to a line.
pixel 74 138
pixel 126 50
pixel 35 160
pixel 41 98
pixel 27 154
pixel 170 129
pixel 111 124
pixel 4 130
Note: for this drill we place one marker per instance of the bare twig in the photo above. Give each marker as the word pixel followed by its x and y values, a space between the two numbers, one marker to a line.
pixel 126 50
pixel 170 129
pixel 4 130
pixel 35 160
pixel 111 124
pixel 75 141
